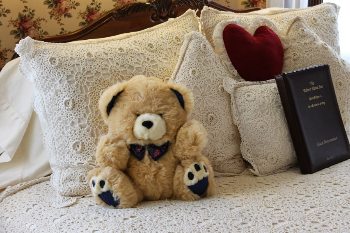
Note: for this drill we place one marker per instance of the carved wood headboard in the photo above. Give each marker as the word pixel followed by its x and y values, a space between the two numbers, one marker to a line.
pixel 135 17
pixel 139 16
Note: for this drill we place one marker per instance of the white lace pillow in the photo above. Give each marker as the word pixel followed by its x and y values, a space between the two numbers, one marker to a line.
pixel 322 19
pixel 303 48
pixel 69 78
pixel 257 109
pixel 200 69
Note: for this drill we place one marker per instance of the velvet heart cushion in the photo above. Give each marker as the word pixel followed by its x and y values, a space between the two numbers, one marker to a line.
pixel 257 57
pixel 251 50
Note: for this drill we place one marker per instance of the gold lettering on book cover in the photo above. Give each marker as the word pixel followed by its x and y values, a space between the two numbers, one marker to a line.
pixel 326 141
pixel 315 99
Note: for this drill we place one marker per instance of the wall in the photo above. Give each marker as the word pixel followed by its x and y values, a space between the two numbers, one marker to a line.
pixel 242 4
pixel 41 18
pixel 287 3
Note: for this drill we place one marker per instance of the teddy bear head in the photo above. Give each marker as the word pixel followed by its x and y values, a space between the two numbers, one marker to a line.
pixel 145 109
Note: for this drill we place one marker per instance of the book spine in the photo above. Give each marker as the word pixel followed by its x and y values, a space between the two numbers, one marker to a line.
pixel 293 125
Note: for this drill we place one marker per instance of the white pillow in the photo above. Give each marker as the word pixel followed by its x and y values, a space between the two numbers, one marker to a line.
pixel 16 99
pixel 69 78
pixel 257 109
pixel 200 69
pixel 20 132
pixel 322 19
pixel 30 161
pixel 266 143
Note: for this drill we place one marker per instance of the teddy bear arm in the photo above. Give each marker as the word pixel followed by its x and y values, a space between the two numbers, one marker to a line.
pixel 112 152
pixel 190 141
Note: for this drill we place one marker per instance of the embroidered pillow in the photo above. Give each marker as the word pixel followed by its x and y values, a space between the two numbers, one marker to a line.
pixel 322 19
pixel 200 70
pixel 257 111
pixel 69 78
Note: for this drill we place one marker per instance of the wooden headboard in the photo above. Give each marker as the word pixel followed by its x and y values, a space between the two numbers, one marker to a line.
pixel 139 16
pixel 135 17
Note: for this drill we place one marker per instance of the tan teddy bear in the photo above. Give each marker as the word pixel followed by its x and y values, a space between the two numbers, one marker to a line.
pixel 151 151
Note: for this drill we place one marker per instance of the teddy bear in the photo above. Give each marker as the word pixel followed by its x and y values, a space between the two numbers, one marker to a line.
pixel 152 150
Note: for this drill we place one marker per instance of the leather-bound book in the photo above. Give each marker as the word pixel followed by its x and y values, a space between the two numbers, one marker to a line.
pixel 313 118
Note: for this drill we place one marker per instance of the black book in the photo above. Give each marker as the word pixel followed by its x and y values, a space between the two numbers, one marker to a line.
pixel 313 118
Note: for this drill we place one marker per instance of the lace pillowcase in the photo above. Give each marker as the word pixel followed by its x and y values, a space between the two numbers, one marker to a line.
pixel 322 19
pixel 200 69
pixel 266 144
pixel 257 109
pixel 69 78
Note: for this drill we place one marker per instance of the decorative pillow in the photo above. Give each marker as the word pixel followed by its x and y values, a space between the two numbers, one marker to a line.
pixel 200 70
pixel 227 50
pixel 256 57
pixel 257 109
pixel 69 78
pixel 322 19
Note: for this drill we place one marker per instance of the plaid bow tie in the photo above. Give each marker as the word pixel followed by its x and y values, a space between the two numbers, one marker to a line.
pixel 155 152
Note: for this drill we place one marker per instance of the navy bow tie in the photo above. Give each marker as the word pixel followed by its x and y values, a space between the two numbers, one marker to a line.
pixel 156 152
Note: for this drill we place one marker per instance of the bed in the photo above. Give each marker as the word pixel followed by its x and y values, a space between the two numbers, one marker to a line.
pixel 283 202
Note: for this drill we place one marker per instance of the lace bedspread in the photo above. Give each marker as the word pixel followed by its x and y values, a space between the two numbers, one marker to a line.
pixel 285 202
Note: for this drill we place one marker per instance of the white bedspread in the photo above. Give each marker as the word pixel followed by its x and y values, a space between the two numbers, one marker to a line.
pixel 285 202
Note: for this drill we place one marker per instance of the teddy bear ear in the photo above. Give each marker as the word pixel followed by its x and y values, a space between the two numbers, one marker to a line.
pixel 109 98
pixel 183 95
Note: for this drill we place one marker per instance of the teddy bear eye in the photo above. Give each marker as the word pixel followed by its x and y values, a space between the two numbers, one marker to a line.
pixel 137 114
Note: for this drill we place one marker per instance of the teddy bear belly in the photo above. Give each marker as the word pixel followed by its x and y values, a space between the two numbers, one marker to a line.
pixel 153 178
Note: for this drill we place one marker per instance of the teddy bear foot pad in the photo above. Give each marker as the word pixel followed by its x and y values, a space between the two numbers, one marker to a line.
pixel 101 189
pixel 196 178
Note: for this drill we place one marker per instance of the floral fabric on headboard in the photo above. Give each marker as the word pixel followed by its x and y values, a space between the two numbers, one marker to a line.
pixel 41 18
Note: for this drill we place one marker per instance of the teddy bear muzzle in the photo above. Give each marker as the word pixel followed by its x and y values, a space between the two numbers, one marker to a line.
pixel 149 126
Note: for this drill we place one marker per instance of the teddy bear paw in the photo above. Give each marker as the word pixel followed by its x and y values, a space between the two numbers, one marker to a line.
pixel 100 188
pixel 196 178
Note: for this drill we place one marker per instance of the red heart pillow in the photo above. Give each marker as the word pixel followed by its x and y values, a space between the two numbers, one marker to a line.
pixel 256 57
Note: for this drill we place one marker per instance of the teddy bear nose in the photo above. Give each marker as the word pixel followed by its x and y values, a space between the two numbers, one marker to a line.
pixel 147 124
